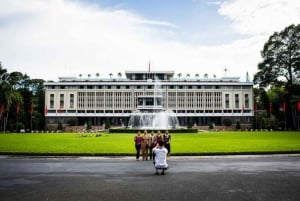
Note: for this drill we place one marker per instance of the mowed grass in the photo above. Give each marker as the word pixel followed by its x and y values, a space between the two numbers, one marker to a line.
pixel 204 143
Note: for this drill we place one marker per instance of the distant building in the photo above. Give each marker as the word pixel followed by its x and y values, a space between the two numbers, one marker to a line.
pixel 201 101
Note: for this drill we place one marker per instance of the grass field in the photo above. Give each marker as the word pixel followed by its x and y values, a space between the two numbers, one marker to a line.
pixel 122 144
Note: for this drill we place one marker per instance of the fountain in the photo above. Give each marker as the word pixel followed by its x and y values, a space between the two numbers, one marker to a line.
pixel 159 120
pixel 150 113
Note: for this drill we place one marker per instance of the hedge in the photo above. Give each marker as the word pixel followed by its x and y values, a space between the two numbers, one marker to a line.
pixel 125 130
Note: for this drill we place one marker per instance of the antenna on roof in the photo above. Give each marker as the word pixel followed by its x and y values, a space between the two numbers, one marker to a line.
pixel 225 72
pixel 149 67
pixel 247 77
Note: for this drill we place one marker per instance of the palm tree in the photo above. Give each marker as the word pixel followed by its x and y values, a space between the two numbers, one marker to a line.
pixel 110 75
pixel 89 75
pixel 3 73
pixel 179 75
pixel 97 74
pixel 80 75
pixel 196 75
pixel 206 75
pixel 188 75
pixel 215 76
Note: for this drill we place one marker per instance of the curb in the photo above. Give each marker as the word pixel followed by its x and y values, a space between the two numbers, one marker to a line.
pixel 132 158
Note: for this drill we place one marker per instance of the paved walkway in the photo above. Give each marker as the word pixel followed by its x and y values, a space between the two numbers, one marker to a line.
pixel 266 178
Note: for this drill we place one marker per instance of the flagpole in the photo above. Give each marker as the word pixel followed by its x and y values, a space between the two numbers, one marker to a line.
pixel 284 115
pixel 256 120
pixel 17 110
pixel 31 111
pixel 17 122
pixel 285 121
pixel 31 121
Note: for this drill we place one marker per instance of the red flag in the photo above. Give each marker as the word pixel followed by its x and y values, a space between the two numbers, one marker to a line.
pixel 255 107
pixel 243 108
pixel 298 106
pixel 31 109
pixel 284 107
pixel 270 108
pixel 59 109
pixel 46 110
pixel 18 108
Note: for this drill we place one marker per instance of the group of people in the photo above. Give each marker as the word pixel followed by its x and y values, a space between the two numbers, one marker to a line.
pixel 155 146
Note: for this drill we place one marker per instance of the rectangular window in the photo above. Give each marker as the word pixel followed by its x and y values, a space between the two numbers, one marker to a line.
pixel 71 100
pixel 227 101
pixel 90 99
pixel 100 100
pixel 51 100
pixel 61 100
pixel 80 100
pixel 237 101
pixel 246 100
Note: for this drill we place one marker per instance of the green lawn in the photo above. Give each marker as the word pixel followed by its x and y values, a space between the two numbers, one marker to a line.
pixel 122 144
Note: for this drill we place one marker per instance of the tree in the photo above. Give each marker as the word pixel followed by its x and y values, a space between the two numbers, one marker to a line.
pixel 3 73
pixel 179 75
pixel 280 66
pixel 119 74
pixel 110 75
pixel 17 94
pixel 4 87
pixel 281 59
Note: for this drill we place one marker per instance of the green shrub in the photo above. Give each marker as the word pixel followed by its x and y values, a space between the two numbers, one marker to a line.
pixel 190 123
pixel 238 125
pixel 124 130
pixel 211 125
pixel 107 124
pixel 73 121
pixel 227 122
pixel 59 126
pixel 89 125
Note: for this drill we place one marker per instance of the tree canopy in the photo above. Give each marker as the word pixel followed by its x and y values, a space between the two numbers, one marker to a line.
pixel 279 71
pixel 281 59
pixel 18 94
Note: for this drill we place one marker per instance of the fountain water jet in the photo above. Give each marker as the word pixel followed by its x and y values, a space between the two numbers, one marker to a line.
pixel 150 113
pixel 155 120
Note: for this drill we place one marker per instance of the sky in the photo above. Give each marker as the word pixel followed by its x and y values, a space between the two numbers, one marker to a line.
pixel 47 39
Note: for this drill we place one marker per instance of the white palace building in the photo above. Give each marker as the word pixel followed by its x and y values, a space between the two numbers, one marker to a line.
pixel 201 101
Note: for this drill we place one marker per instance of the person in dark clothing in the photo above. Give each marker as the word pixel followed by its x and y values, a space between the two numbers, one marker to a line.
pixel 152 144
pixel 167 140
pixel 137 142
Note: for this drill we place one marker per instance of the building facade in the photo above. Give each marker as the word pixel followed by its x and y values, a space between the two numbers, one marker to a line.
pixel 200 101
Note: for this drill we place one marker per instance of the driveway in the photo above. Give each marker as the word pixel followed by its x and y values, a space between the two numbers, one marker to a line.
pixel 266 178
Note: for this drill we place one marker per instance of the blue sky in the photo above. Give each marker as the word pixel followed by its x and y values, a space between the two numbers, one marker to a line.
pixel 197 18
pixel 52 38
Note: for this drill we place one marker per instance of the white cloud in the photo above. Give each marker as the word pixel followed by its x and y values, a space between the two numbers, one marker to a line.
pixel 48 39
pixel 261 17
pixel 214 2
pixel 60 35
